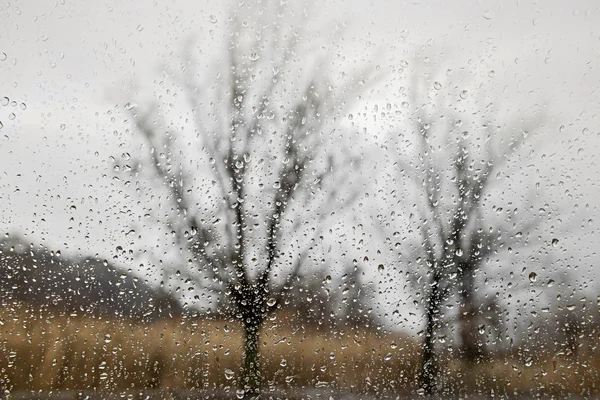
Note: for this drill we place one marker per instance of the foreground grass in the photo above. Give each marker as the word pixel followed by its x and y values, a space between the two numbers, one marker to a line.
pixel 42 351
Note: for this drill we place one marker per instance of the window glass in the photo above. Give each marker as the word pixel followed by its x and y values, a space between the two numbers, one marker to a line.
pixel 258 199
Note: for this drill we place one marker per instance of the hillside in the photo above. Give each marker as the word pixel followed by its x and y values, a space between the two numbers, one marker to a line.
pixel 86 285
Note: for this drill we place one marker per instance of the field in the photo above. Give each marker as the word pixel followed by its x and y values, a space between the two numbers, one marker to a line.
pixel 42 352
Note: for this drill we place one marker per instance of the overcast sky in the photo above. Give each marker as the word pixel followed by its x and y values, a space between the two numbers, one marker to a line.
pixel 68 68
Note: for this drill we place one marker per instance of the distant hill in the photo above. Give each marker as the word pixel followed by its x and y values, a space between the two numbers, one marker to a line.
pixel 84 285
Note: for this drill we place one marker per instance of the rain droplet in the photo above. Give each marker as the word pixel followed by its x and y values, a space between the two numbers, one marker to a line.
pixel 437 85
pixel 380 268
pixel 464 94
pixel 554 242
pixel 4 101
pixel 229 374
pixel 107 338
pixel 532 277
pixel 3 56
pixel 271 302
pixel 212 19
pixel 140 28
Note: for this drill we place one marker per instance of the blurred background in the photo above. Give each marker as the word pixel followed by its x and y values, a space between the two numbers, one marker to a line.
pixel 293 199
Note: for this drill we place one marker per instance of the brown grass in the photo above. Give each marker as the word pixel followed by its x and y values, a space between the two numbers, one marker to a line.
pixel 45 352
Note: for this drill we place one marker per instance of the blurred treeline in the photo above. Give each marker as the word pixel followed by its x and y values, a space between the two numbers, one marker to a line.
pixel 51 340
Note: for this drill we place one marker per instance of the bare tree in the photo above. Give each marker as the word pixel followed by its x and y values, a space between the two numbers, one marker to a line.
pixel 449 157
pixel 253 167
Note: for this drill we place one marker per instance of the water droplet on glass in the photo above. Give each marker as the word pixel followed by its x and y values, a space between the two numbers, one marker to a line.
pixel 464 94
pixel 140 28
pixel 380 268
pixel 107 338
pixel 532 276
pixel 554 242
pixel 271 302
pixel 212 19
pixel 229 374
pixel 437 85
pixel 3 56
pixel 4 101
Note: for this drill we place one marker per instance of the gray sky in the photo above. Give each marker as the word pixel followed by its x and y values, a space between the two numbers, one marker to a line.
pixel 73 65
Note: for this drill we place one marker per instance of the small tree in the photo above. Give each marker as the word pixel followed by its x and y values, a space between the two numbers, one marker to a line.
pixel 450 160
pixel 252 169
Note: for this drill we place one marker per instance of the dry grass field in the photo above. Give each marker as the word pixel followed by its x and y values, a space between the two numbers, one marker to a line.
pixel 42 352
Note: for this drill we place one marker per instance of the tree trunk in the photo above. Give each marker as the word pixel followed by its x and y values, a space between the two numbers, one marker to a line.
pixel 429 362
pixel 251 377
